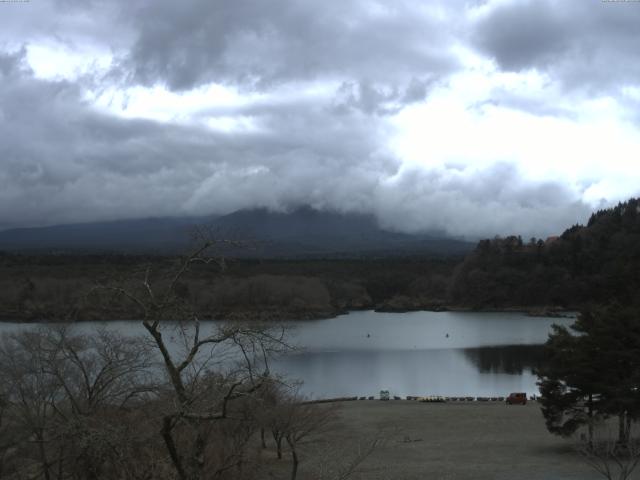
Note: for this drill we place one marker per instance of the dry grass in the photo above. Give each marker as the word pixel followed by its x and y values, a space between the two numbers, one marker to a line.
pixel 450 441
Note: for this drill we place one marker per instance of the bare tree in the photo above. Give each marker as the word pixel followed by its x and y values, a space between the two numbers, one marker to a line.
pixel 213 372
pixel 272 413
pixel 65 394
pixel 303 420
pixel 304 428
pixel 30 396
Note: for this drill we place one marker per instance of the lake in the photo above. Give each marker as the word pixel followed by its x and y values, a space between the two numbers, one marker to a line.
pixel 415 353
pixel 419 353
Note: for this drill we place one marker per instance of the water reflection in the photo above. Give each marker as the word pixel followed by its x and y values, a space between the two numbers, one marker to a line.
pixel 419 353
pixel 487 371
pixel 512 359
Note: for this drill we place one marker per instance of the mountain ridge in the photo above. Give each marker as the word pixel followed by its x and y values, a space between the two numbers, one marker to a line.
pixel 304 231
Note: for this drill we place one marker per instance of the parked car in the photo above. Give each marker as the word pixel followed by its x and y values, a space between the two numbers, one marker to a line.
pixel 518 398
pixel 433 399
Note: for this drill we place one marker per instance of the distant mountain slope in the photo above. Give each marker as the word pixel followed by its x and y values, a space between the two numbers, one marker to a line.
pixel 152 235
pixel 303 232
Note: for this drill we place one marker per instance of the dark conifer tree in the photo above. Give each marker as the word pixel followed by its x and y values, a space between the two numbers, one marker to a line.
pixel 593 371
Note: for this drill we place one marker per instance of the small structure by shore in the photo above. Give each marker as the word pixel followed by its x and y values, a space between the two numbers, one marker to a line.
pixel 414 398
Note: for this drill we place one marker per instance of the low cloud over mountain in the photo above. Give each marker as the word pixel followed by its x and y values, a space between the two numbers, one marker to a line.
pixel 472 118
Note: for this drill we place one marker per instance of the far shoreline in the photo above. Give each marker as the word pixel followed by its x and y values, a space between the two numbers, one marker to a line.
pixel 293 317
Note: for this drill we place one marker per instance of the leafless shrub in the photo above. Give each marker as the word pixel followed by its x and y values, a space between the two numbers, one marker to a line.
pixel 333 461
pixel 611 459
pixel 63 398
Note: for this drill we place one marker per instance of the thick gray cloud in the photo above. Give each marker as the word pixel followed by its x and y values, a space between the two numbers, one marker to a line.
pixel 64 162
pixel 374 99
pixel 256 44
pixel 496 199
pixel 590 44
pixel 62 159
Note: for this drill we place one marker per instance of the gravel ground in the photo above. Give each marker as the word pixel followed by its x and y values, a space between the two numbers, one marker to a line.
pixel 452 441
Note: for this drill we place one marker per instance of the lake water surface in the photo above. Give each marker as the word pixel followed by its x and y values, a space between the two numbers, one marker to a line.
pixel 415 353
pixel 419 353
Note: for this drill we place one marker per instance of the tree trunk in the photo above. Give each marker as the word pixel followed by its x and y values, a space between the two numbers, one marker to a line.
pixel 278 439
pixel 623 437
pixel 294 459
pixel 198 455
pixel 60 461
pixel 590 422
pixel 43 456
pixel 167 426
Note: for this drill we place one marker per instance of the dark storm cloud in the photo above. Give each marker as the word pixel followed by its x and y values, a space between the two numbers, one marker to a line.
pixel 12 63
pixel 588 44
pixel 257 44
pixel 64 160
pixel 524 34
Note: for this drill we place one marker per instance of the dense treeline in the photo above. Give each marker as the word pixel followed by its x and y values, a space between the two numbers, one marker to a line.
pixel 593 263
pixel 63 287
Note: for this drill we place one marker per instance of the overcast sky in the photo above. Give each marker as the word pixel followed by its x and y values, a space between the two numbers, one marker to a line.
pixel 475 117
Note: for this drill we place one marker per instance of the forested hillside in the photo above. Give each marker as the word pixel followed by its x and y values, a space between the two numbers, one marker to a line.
pixel 598 262
pixel 595 263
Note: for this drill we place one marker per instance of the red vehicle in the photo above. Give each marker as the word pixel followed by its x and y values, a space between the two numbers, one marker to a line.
pixel 517 399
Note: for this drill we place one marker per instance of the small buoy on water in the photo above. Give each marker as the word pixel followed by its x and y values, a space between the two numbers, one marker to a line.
pixel 447 335
pixel 368 335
